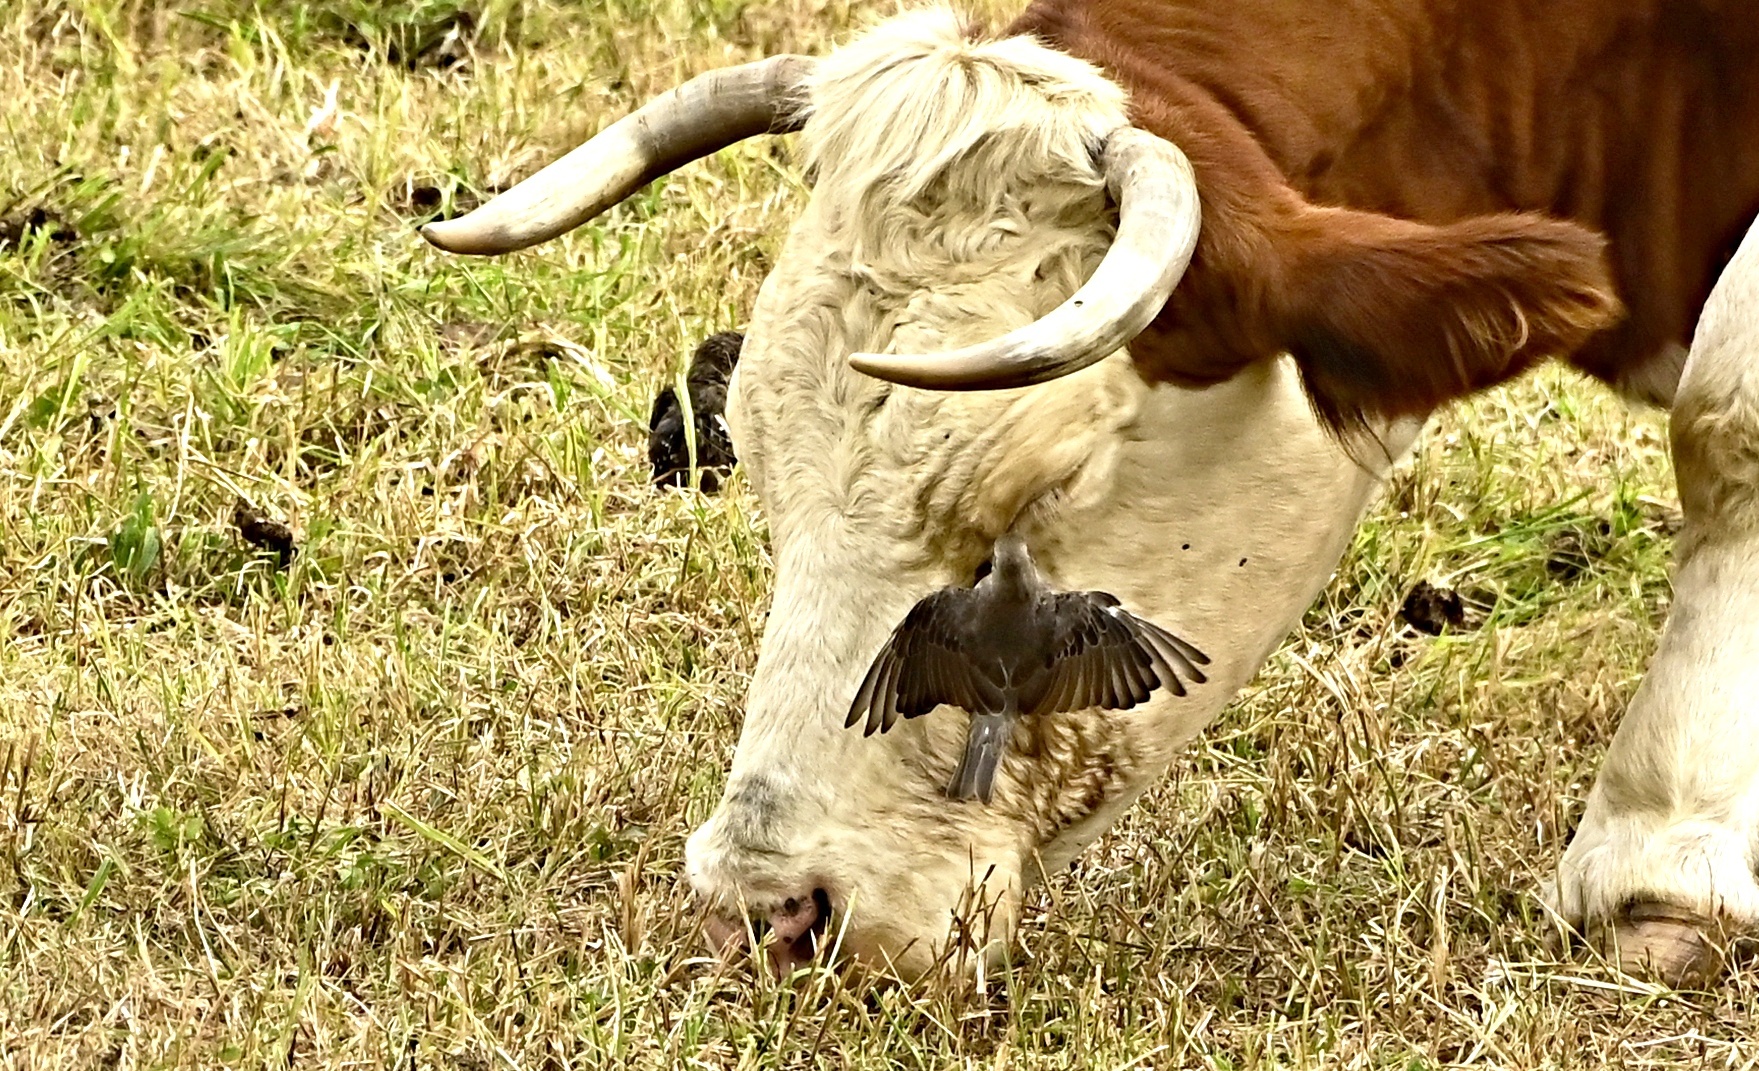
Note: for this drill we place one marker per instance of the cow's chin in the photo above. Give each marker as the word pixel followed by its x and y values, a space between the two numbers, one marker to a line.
pixel 918 883
pixel 954 911
pixel 904 905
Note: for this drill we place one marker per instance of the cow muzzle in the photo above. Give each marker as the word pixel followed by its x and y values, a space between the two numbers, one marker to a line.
pixel 865 892
pixel 793 936
pixel 759 892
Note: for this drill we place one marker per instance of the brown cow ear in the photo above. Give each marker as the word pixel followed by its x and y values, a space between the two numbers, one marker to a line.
pixel 1390 318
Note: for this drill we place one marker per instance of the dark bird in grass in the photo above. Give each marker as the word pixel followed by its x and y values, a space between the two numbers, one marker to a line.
pixel 263 531
pixel 1013 646
pixel 667 446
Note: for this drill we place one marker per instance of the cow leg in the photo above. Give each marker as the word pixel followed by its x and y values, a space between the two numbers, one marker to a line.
pixel 1661 869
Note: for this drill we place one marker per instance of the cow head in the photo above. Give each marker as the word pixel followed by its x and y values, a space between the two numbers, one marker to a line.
pixel 976 205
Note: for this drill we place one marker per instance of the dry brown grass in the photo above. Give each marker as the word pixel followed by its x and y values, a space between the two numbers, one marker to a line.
pixel 419 800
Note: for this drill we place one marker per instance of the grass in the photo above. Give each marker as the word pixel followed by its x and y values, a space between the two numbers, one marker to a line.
pixel 419 798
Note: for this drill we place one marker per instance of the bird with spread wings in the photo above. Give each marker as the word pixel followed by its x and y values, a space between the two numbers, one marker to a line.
pixel 1013 646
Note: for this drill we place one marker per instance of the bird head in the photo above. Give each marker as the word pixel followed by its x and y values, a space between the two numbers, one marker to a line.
pixel 1011 565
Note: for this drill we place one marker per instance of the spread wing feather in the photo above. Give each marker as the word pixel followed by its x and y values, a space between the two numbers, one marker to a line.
pixel 1109 658
pixel 921 667
pixel 886 695
pixel 1173 657
pixel 1101 656
pixel 862 707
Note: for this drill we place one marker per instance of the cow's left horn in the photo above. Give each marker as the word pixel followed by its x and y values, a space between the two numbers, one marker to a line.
pixel 705 114
pixel 1158 217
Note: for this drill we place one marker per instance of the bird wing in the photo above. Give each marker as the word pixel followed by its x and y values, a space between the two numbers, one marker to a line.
pixel 922 667
pixel 1105 656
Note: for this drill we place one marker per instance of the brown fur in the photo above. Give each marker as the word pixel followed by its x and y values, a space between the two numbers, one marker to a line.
pixel 1377 175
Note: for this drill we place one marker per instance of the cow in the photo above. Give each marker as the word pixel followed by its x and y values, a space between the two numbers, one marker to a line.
pixel 1163 288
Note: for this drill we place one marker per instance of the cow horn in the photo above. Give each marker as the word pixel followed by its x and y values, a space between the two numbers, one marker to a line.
pixel 705 114
pixel 1158 217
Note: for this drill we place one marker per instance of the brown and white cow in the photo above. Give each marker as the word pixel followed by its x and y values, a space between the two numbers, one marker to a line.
pixel 1387 204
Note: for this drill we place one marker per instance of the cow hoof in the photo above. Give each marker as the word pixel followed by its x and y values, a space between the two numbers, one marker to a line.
pixel 1664 943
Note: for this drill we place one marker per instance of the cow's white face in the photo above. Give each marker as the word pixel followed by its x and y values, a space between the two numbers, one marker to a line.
pixel 1217 513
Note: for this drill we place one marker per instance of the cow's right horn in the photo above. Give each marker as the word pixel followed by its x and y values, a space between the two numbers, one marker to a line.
pixel 1158 217
pixel 707 113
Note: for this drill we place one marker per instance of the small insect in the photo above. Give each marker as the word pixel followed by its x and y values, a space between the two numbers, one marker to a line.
pixel 1010 646
pixel 667 447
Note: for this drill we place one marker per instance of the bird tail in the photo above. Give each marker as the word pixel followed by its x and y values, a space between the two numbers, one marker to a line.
pixel 976 776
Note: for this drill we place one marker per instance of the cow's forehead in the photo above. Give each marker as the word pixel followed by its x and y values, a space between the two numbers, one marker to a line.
pixel 937 228
pixel 938 474
pixel 897 106
pixel 822 439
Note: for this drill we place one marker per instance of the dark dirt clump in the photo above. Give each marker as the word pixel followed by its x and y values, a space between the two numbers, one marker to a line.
pixel 1432 609
pixel 20 224
pixel 265 532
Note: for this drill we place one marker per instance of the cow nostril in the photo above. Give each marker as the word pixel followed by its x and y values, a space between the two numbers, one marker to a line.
pixel 821 919
pixel 800 930
pixel 795 933
pixel 821 904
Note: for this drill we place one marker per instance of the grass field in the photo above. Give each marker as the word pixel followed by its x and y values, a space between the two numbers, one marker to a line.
pixel 418 798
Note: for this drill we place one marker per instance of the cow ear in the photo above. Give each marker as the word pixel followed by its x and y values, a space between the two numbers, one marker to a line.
pixel 1391 318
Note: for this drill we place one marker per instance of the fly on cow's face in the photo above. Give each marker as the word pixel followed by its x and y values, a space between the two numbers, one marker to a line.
pixel 1011 645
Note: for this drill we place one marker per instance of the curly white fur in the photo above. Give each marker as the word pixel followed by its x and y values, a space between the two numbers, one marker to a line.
pixel 956 198
pixel 973 208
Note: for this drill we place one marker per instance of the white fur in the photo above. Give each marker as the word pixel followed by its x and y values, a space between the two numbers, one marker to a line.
pixel 1674 815
pixel 976 211
pixel 956 198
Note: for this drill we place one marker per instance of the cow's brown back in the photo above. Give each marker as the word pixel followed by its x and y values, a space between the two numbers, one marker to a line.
pixel 1638 118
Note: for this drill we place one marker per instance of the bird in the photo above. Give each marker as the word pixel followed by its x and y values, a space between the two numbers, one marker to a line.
pixel 1011 646
pixel 668 448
